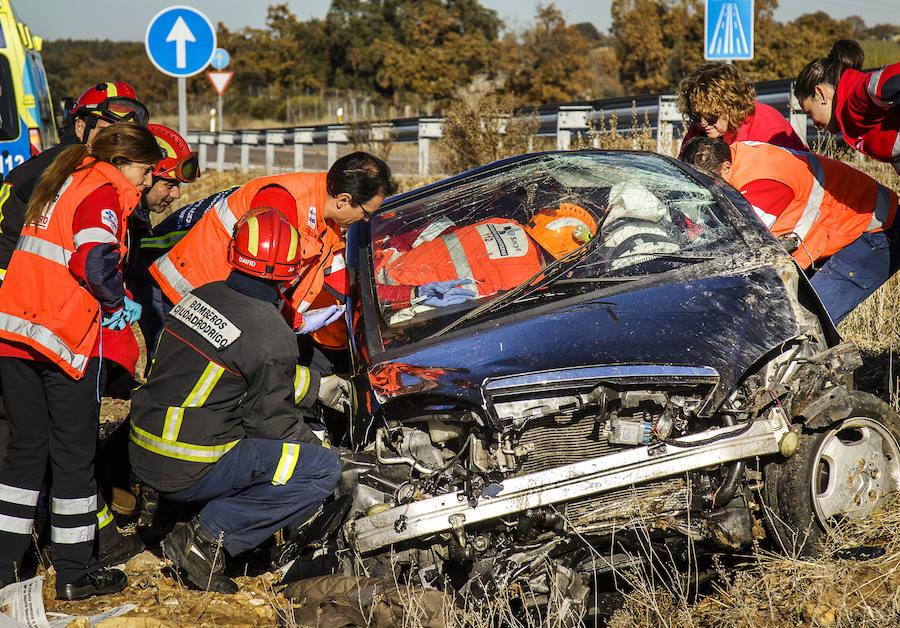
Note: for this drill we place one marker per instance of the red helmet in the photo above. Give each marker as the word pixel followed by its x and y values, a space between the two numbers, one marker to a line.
pixel 113 102
pixel 265 245
pixel 180 163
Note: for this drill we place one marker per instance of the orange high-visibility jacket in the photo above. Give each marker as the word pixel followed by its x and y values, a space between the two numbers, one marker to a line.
pixel 201 256
pixel 42 304
pixel 496 253
pixel 833 203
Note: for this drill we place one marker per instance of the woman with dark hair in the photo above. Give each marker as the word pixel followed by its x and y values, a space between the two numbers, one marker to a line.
pixel 64 283
pixel 864 106
pixel 719 101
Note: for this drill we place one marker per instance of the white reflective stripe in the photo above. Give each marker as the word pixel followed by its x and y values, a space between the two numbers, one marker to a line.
pixel 16 495
pixel 301 383
pixel 882 209
pixel 767 218
pixel 433 230
pixel 290 454
pixel 337 263
pixel 68 536
pixel 872 89
pixel 45 338
pixel 15 525
pixel 167 269
pixel 225 215
pixel 73 505
pixel 304 305
pixel 94 235
pixel 43 248
pixel 816 196
pixel 567 221
pixel 178 450
pixel 458 256
pixel 204 386
pixel 103 518
pixel 173 423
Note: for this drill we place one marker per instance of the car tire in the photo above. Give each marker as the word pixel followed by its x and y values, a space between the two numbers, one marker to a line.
pixel 845 470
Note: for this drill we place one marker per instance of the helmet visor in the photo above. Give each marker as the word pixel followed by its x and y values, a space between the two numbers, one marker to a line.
pixel 121 109
pixel 186 169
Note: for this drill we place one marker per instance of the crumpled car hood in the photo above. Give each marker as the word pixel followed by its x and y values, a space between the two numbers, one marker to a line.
pixel 725 322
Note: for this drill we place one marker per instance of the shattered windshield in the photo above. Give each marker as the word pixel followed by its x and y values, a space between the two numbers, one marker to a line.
pixel 540 229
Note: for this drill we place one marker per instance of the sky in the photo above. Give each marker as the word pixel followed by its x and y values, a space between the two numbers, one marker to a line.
pixel 56 19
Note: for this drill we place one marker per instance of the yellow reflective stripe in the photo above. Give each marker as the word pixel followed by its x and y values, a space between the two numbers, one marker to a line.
pixel 103 518
pixel 253 236
pixel 290 454
pixel 173 423
pixel 179 450
pixel 295 240
pixel 2 273
pixel 301 383
pixel 166 241
pixel 204 386
pixel 5 190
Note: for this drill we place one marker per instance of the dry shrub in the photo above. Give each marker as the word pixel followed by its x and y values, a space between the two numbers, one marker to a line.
pixel 604 133
pixel 481 129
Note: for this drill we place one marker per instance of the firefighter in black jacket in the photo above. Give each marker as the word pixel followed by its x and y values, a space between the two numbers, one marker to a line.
pixel 219 419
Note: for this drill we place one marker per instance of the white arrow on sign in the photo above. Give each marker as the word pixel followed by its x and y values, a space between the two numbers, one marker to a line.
pixel 180 34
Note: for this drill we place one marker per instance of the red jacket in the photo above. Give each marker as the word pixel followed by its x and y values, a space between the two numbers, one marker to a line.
pixel 867 106
pixel 764 124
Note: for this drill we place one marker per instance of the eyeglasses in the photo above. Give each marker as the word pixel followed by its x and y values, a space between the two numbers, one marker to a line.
pixel 699 118
pixel 366 213
pixel 185 170
pixel 119 109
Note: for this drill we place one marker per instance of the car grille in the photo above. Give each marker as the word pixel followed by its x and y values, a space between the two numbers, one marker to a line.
pixel 558 441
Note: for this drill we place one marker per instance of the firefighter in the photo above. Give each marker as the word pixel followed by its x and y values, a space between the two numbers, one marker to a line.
pixel 864 106
pixel 839 222
pixel 219 420
pixel 317 204
pixel 64 284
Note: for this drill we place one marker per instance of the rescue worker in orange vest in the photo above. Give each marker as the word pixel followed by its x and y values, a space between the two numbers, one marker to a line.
pixel 319 205
pixel 219 422
pixel 64 284
pixel 838 222
pixel 479 259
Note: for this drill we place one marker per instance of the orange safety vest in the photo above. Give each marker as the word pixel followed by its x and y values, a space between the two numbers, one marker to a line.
pixel 833 203
pixel 42 305
pixel 201 256
pixel 496 253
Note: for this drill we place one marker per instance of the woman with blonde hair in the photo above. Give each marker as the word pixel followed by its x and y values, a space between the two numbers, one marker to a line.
pixel 863 106
pixel 718 101
pixel 64 283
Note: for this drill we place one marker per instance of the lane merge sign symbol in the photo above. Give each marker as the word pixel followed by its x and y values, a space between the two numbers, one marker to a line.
pixel 180 41
pixel 729 30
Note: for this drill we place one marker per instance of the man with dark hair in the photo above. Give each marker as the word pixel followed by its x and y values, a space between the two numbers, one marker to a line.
pixel 837 222
pixel 317 204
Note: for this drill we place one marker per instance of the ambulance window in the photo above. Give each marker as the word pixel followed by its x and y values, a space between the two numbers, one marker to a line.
pixel 9 117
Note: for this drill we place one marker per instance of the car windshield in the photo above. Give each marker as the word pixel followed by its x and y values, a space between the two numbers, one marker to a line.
pixel 543 228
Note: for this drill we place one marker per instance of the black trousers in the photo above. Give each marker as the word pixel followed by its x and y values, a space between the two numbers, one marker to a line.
pixel 51 416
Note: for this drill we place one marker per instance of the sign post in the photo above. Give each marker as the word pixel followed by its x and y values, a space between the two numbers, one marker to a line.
pixel 180 42
pixel 729 30
pixel 220 79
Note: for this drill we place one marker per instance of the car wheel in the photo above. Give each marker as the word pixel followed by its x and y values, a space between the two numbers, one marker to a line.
pixel 843 471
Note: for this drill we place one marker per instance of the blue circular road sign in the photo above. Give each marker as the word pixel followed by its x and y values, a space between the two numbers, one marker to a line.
pixel 220 58
pixel 180 41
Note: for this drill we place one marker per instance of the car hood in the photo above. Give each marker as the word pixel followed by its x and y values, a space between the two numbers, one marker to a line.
pixel 724 322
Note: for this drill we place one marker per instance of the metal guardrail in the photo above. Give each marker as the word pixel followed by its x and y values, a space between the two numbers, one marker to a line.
pixel 301 148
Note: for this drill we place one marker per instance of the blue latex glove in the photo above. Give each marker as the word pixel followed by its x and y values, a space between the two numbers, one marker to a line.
pixel 442 293
pixel 314 320
pixel 132 310
pixel 116 320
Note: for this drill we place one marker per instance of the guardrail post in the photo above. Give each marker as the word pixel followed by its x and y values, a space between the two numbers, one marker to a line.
pixel 204 141
pixel 571 118
pixel 336 134
pixel 429 129
pixel 667 116
pixel 247 138
pixel 273 138
pixel 797 116
pixel 225 138
pixel 301 137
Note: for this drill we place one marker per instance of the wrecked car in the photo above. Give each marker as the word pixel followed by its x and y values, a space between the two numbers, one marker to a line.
pixel 539 409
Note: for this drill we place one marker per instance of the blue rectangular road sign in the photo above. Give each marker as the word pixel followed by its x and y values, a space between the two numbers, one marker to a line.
pixel 729 30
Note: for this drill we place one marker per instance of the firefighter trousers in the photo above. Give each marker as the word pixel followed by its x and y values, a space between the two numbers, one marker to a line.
pixel 51 416
pixel 261 486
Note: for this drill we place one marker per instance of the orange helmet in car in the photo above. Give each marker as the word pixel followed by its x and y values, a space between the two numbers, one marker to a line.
pixel 563 229
pixel 265 245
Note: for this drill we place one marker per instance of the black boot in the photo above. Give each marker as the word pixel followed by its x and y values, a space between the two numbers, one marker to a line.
pixel 200 555
pixel 114 548
pixel 99 582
